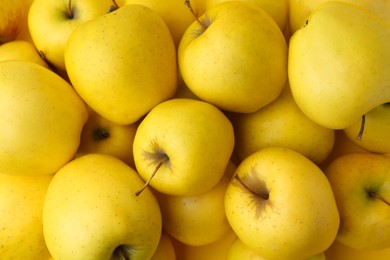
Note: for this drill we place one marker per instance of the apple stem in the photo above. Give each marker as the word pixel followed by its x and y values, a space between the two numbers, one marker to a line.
pixel 262 195
pixel 70 13
pixel 362 125
pixel 188 4
pixel 137 193
pixel 113 7
pixel 376 196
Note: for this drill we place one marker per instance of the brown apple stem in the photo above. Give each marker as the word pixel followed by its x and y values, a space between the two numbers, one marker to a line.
pixel 70 12
pixel 362 125
pixel 137 193
pixel 376 196
pixel 262 195
pixel 113 7
pixel 188 4
pixel 122 252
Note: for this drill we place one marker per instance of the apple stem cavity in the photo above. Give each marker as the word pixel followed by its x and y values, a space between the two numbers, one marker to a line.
pixel 122 252
pixel 113 7
pixel 188 4
pixel 100 134
pixel 70 11
pixel 263 195
pixel 375 195
pixel 362 125
pixel 160 163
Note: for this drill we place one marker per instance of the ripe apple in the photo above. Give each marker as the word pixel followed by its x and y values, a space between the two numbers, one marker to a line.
pixel 200 219
pixel 339 251
pixel 300 10
pixel 360 182
pixel 21 203
pixel 277 9
pixel 50 23
pixel 11 13
pixel 42 118
pixel 123 63
pixel 234 57
pixel 281 123
pixel 100 135
pixel 376 133
pixel 91 212
pixel 281 205
pixel 175 14
pixel 21 50
pixel 183 146
pixel 338 64
pixel 24 32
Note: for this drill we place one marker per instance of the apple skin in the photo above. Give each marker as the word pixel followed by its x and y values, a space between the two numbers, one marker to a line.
pixel 282 123
pixel 50 25
pixel 191 140
pixel 237 66
pixel 197 220
pixel 91 211
pixel 42 119
pixel 11 17
pixel 165 249
pixel 376 134
pixel 339 251
pixel 21 203
pixel 360 182
pixel 139 72
pixel 21 50
pixel 330 83
pixel 100 135
pixel 286 210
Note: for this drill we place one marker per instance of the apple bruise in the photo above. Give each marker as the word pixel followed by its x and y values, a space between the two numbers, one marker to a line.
pixel 257 187
pixel 156 156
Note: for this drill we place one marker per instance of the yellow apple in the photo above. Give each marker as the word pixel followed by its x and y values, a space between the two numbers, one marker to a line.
pixel 42 118
pixel 123 63
pixel 281 205
pixel 50 23
pixel 21 50
pixel 175 14
pixel 376 133
pixel 21 203
pixel 217 250
pixel 282 123
pixel 200 219
pixel 235 57
pixel 165 249
pixel 100 135
pixel 11 15
pixel 24 33
pixel 361 186
pixel 183 146
pixel 277 9
pixel 91 212
pixel 300 10
pixel 338 64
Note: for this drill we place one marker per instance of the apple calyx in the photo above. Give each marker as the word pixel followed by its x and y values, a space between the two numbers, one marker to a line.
pixel 113 7
pixel 362 125
pixel 163 157
pixel 122 252
pixel 372 194
pixel 100 134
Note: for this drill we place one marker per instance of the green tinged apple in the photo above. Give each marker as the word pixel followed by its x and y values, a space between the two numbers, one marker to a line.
pixel 41 117
pixel 234 57
pixel 281 205
pixel 123 63
pixel 90 212
pixel 339 64
pixel 361 185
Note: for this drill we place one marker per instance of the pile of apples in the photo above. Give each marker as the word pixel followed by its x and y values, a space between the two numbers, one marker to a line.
pixel 202 129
